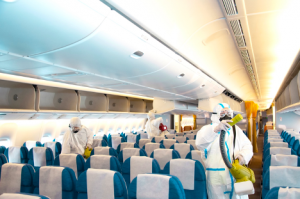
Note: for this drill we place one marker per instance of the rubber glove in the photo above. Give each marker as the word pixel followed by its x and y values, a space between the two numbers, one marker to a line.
pixel 241 159
pixel 223 125
pixel 88 146
pixel 87 153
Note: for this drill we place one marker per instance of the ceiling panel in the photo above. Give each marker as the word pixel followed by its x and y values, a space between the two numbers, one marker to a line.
pixel 46 71
pixel 30 27
pixel 88 80
pixel 108 53
pixel 162 95
pixel 257 6
pixel 166 19
pixel 17 64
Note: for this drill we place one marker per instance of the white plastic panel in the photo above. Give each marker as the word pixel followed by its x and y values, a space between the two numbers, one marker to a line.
pixel 93 101
pixel 68 116
pixel 137 105
pixel 17 96
pixel 108 52
pixel 57 99
pixel 294 92
pixel 210 103
pixel 15 116
pixel 287 98
pixel 70 22
pixel 118 104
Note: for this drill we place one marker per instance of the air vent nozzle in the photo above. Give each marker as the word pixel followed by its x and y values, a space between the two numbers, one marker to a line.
pixel 137 54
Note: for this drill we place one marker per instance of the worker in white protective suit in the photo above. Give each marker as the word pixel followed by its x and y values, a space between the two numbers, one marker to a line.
pixel 152 126
pixel 220 182
pixel 77 139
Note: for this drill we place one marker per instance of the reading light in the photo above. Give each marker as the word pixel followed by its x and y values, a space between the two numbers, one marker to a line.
pixel 137 55
pixel 181 75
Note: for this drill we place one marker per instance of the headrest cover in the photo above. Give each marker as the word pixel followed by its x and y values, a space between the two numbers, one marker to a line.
pixel 69 160
pixel 100 161
pixel 288 193
pixel 14 154
pixel 126 145
pixel 140 165
pixel 180 139
pixel 150 186
pixel 170 136
pixel 11 178
pixel 52 146
pixel 196 155
pixel 30 144
pixel 193 143
pixel 98 137
pixel 150 147
pixel 100 182
pixel 275 140
pixel 142 142
pixel 183 149
pixel 284 160
pixel 131 138
pixel 50 181
pixel 280 150
pixel 157 139
pixel 163 156
pixel 190 136
pixel 18 196
pixel 96 142
pixel 130 152
pixel 144 136
pixel 39 156
pixel 101 150
pixel 279 144
pixel 168 143
pixel 291 176
pixel 184 169
pixel 115 141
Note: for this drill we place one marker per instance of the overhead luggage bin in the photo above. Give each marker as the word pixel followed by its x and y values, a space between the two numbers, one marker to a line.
pixel 118 103
pixel 137 105
pixel 173 107
pixel 53 99
pixel 210 103
pixel 17 97
pixel 149 106
pixel 93 102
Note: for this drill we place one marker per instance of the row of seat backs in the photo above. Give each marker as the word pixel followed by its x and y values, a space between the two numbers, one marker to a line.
pixel 283 192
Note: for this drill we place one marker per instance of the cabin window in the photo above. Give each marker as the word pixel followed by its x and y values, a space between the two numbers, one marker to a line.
pixel 46 138
pixel 5 142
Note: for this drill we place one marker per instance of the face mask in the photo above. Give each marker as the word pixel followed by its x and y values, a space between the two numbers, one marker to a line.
pixel 226 117
pixel 76 131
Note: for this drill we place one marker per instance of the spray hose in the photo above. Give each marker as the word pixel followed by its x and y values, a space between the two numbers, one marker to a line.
pixel 223 150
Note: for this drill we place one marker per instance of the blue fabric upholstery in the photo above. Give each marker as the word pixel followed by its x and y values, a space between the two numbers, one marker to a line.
pixel 161 146
pixel 199 191
pixel 49 158
pixel 38 144
pixel 267 153
pixel 3 161
pixel 126 170
pixel 296 145
pixel 112 152
pixel 27 174
pixel 114 164
pixel 273 193
pixel 68 183
pixel 175 189
pixel 23 153
pixel 36 195
pixel 119 147
pixel 291 142
pixel 2 149
pixel 79 161
pixel 120 190
pixel 267 164
pixel 120 156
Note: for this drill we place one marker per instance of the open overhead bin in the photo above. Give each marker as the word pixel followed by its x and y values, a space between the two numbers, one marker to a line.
pixel 118 103
pixel 17 97
pixel 173 107
pixel 209 104
pixel 93 102
pixel 137 105
pixel 53 99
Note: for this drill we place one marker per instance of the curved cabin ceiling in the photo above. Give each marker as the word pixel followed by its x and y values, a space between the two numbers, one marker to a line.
pixel 84 42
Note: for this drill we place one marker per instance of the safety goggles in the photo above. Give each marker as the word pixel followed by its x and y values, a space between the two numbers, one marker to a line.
pixel 226 112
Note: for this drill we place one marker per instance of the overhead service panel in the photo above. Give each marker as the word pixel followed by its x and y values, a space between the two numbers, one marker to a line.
pixel 209 104
pixel 161 106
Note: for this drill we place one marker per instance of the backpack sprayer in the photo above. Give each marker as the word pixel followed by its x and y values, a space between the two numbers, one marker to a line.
pixel 244 176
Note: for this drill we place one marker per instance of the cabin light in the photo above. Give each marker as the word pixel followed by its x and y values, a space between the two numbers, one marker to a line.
pixel 137 55
pixel 181 75
pixel 9 1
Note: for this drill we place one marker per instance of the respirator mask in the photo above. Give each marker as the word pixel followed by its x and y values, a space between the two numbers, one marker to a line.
pixel 225 115
pixel 75 129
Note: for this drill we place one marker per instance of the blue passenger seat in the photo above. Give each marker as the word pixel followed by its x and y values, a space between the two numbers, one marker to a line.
pixel 103 162
pixel 104 151
pixel 74 161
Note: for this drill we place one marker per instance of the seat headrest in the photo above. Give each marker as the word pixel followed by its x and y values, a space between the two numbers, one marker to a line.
pixel 126 145
pixel 100 161
pixel 162 156
pixel 101 150
pixel 291 177
pixel 140 165
pixel 127 152
pixel 142 142
pixel 180 139
pixel 150 147
pixel 69 160
pixel 14 154
pixel 39 156
pixel 131 138
pixel 157 139
pixel 184 169
pixel 168 143
pixel 288 193
pixel 183 149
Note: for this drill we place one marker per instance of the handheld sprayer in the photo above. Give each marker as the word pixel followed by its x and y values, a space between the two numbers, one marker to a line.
pixel 243 175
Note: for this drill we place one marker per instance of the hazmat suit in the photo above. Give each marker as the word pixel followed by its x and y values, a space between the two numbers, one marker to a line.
pixel 77 139
pixel 152 126
pixel 220 182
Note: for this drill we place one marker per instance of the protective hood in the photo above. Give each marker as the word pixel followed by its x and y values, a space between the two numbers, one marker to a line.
pixel 215 117
pixel 75 122
pixel 151 116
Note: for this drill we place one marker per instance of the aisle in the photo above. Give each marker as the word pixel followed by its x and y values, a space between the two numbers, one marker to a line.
pixel 256 166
